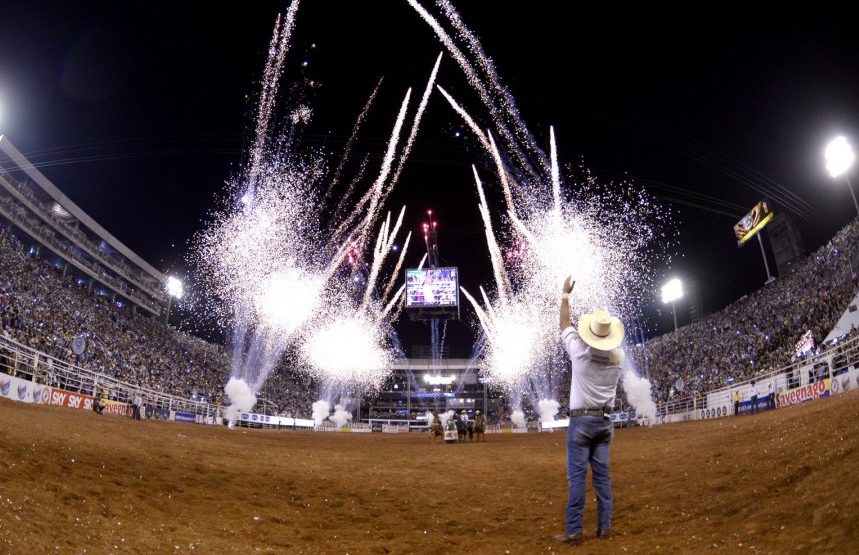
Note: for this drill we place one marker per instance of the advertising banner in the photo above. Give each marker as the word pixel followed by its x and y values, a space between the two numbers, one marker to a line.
pixel 260 419
pixel 752 222
pixel 70 400
pixel 115 407
pixel 24 391
pixel 184 417
pixel 808 392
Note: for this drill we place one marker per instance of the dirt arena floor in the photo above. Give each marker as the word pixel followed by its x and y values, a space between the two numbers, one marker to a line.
pixel 76 482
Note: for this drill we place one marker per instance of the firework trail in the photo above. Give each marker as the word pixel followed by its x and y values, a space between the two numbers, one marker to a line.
pixel 416 124
pixel 348 148
pixel 485 63
pixel 501 282
pixel 402 288
pixel 466 118
pixel 271 267
pixel 395 275
pixel 278 47
pixel 376 192
pixel 383 247
pixel 350 188
pixel 477 83
pixel 610 264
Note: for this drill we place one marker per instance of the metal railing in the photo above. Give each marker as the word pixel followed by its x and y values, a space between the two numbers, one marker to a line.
pixel 29 364
pixel 834 361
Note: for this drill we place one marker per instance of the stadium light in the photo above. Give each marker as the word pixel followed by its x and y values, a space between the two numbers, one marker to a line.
pixel 175 290
pixel 174 287
pixel 671 292
pixel 839 158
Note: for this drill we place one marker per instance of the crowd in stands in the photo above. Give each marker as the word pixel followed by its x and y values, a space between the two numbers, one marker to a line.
pixel 45 309
pixel 757 333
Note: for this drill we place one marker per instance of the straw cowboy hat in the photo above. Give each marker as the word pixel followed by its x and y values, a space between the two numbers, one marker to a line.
pixel 601 330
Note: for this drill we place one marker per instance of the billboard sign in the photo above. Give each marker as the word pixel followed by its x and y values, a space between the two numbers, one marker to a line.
pixel 805 344
pixel 752 222
pixel 432 287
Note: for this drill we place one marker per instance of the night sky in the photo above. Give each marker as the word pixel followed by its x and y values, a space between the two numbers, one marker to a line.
pixel 140 112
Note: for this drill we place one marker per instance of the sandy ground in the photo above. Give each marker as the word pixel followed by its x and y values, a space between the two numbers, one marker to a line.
pixel 76 482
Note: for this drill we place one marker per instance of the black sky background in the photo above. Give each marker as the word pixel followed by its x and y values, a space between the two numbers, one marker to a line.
pixel 140 112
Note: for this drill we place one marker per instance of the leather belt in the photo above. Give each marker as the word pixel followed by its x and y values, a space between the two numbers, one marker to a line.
pixel 588 412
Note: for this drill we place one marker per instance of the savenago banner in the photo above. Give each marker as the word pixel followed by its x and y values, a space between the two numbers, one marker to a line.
pixel 23 390
pixel 808 392
pixel 752 222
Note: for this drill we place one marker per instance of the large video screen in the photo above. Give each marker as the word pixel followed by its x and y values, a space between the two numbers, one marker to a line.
pixel 432 287
pixel 753 222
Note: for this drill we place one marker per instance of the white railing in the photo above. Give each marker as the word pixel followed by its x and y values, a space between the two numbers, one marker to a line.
pixel 833 361
pixel 29 364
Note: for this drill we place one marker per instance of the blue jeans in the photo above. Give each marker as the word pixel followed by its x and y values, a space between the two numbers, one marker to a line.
pixel 588 440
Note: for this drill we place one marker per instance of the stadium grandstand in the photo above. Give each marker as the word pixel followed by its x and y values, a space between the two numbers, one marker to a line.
pixel 74 298
pixel 79 244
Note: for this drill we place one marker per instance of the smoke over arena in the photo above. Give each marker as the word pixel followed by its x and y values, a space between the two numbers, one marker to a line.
pixel 321 313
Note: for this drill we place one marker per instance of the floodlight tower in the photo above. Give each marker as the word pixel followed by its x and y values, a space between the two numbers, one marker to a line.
pixel 175 290
pixel 839 157
pixel 671 292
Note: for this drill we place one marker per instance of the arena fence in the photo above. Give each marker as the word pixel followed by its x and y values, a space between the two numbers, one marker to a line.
pixel 31 376
pixel 830 372
pixel 36 377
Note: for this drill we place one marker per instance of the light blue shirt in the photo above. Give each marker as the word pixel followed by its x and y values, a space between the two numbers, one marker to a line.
pixel 595 373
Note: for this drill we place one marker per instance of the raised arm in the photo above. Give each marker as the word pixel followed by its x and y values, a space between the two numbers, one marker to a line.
pixel 565 303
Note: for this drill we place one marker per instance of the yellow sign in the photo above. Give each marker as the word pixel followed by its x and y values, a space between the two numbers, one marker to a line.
pixel 753 222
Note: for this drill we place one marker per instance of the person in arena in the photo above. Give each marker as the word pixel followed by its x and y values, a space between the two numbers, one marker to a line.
pixel 593 348
pixel 736 399
pixel 771 395
pixel 462 425
pixel 479 426
pixel 754 396
pixel 436 430
pixel 98 405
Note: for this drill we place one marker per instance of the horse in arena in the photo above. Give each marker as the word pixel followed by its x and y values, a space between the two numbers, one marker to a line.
pixel 461 427
pixel 479 425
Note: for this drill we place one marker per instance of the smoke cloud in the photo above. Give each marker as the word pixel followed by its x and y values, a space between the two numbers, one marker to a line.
pixel 518 419
pixel 242 399
pixel 548 408
pixel 321 409
pixel 340 416
pixel 638 394
pixel 444 417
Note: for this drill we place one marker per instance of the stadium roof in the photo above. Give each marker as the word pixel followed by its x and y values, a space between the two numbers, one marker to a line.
pixel 65 205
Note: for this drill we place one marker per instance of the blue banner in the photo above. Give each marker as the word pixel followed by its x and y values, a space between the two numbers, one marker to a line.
pixel 184 417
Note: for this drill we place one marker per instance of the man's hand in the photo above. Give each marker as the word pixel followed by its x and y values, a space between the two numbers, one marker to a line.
pixel 568 285
pixel 565 305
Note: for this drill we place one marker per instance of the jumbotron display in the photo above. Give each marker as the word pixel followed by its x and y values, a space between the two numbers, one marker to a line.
pixel 432 288
pixel 752 222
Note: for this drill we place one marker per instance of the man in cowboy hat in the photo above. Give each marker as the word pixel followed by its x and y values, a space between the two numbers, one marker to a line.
pixel 593 348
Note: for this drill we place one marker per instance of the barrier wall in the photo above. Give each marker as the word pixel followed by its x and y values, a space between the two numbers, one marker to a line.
pixel 251 418
pixel 24 391
pixel 71 400
pixel 115 407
